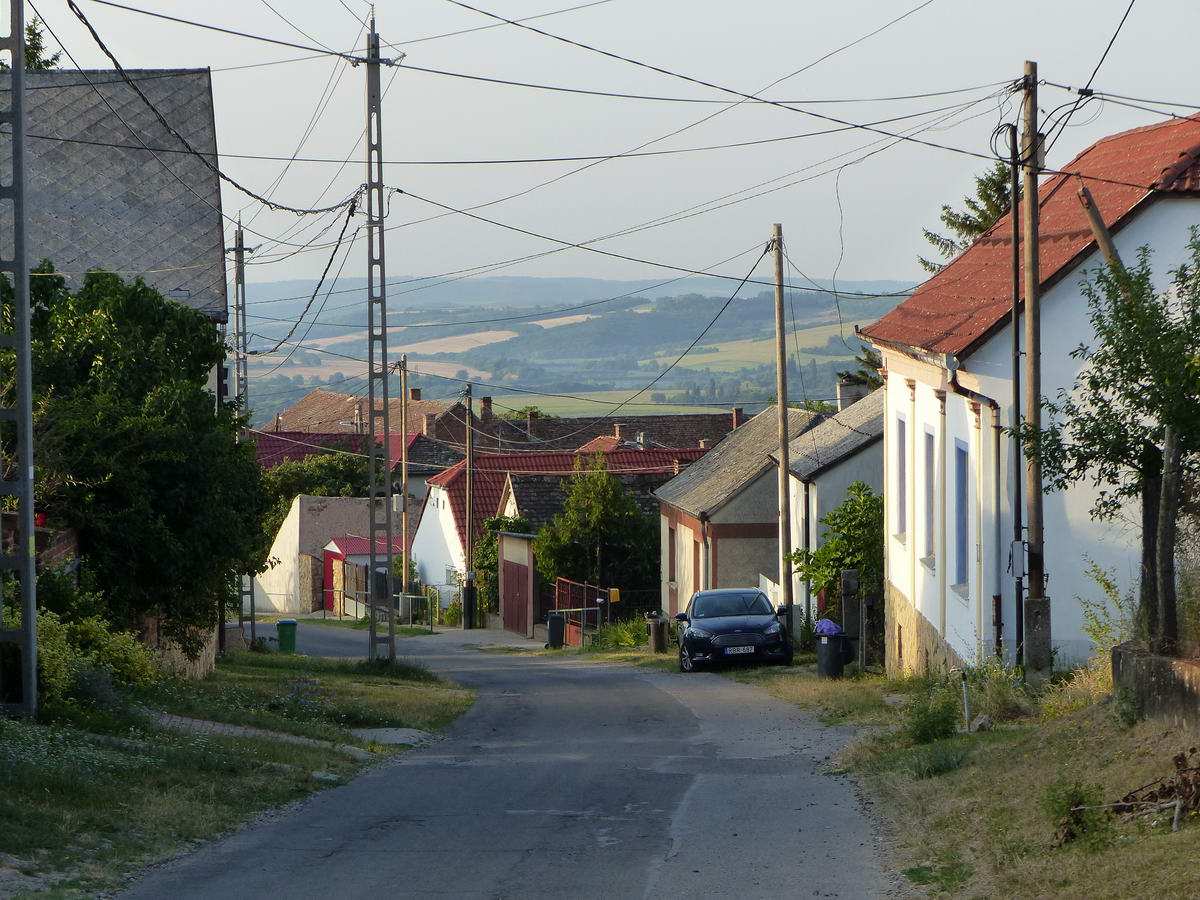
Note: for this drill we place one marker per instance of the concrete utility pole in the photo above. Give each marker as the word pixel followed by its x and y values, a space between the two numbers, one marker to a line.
pixel 785 499
pixel 1018 542
pixel 1037 643
pixel 468 590
pixel 241 390
pixel 379 583
pixel 404 475
pixel 19 699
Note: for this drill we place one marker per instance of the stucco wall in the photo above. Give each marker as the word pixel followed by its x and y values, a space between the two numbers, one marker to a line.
pixel 436 546
pixel 740 561
pixel 675 594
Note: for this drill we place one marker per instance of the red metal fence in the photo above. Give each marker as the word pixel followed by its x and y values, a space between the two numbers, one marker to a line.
pixel 584 606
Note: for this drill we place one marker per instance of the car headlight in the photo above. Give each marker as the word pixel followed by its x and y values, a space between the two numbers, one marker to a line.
pixel 693 631
pixel 773 628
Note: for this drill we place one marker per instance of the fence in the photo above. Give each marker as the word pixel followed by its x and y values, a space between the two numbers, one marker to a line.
pixel 584 606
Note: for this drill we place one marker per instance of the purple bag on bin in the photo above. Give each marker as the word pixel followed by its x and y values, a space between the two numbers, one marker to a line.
pixel 827 626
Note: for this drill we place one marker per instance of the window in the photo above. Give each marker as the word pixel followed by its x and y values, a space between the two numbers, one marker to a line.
pixel 930 493
pixel 960 512
pixel 670 554
pixel 901 477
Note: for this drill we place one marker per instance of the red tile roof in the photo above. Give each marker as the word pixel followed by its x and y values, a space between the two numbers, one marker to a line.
pixel 956 309
pixel 354 545
pixel 491 470
pixel 606 443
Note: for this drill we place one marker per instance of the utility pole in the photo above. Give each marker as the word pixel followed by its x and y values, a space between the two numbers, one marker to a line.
pixel 785 475
pixel 404 477
pixel 1038 659
pixel 22 699
pixel 1018 542
pixel 468 591
pixel 241 390
pixel 379 583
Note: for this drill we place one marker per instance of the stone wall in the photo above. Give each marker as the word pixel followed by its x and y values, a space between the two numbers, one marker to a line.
pixel 1160 687
pixel 912 645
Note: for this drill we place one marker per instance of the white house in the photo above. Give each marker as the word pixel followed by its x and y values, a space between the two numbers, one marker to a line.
pixel 947 354
pixel 824 462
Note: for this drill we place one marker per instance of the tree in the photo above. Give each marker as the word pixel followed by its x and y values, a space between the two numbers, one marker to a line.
pixel 991 201
pixel 35 49
pixel 327 474
pixel 523 413
pixel 601 537
pixel 133 451
pixel 853 539
pixel 1130 424
pixel 869 363
pixel 487 559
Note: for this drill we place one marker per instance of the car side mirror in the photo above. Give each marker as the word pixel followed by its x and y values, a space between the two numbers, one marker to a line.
pixel 681 617
pixel 781 611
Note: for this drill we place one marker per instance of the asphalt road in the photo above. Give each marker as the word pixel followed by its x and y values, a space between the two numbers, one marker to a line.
pixel 565 780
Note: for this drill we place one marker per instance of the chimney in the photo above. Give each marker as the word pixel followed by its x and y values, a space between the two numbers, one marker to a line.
pixel 705 443
pixel 849 392
pixel 278 421
pixel 485 410
pixel 739 416
pixel 675 466
pixel 641 439
pixel 617 430
pixel 427 423
pixel 414 393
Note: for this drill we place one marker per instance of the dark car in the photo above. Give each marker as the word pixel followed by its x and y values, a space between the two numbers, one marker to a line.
pixel 733 624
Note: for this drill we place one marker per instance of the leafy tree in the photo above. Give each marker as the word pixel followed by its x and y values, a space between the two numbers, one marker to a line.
pixel 133 451
pixel 991 201
pixel 328 474
pixel 523 413
pixel 869 363
pixel 601 537
pixel 853 539
pixel 1130 424
pixel 487 559
pixel 35 49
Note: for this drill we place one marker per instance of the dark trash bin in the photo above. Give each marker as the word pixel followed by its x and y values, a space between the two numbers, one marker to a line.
pixel 656 627
pixel 833 652
pixel 556 631
pixel 286 630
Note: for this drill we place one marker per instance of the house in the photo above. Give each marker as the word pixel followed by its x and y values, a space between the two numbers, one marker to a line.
pixel 605 433
pixel 294 579
pixel 824 462
pixel 720 518
pixel 329 411
pixel 344 563
pixel 439 540
pixel 947 353
pixel 98 199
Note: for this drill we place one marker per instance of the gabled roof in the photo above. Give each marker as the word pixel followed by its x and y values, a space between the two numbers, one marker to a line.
pixel 603 444
pixel 98 199
pixel 425 455
pixel 329 411
pixel 539 498
pixel 576 432
pixel 839 437
pixel 733 463
pixel 492 469
pixel 356 545
pixel 956 309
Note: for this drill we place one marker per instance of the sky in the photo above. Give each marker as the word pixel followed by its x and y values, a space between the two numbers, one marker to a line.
pixel 852 204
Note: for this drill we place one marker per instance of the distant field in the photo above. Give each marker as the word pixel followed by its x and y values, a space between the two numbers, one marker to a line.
pixel 562 320
pixel 563 406
pixel 733 355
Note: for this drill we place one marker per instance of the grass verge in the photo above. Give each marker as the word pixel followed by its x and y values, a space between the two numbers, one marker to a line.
pixel 971 812
pixel 96 790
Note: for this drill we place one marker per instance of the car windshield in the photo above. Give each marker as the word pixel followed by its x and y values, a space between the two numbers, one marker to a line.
pixel 748 604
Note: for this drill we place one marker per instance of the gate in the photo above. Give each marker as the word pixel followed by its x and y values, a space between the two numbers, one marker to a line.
pixel 584 606
pixel 516 607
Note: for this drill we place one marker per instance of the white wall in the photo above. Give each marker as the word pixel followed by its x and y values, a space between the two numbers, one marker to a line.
pixel 1071 536
pixel 436 546
pixel 685 582
pixel 277 589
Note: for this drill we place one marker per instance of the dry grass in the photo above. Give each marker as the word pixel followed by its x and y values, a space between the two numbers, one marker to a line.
pixel 859 701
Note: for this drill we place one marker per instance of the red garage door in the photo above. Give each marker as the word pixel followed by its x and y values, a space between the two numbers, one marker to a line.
pixel 516 598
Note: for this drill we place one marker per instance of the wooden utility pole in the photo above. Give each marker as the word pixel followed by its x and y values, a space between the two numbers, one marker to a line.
pixel 468 590
pixel 404 584
pixel 785 475
pixel 1037 641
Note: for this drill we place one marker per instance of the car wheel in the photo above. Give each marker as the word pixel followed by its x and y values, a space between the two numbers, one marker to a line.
pixel 685 660
pixel 787 660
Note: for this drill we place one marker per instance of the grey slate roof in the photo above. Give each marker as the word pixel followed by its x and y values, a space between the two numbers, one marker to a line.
pixel 838 437
pixel 737 460
pixel 124 209
pixel 539 498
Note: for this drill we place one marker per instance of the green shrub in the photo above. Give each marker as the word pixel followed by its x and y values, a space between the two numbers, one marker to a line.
pixel 452 614
pixel 1091 828
pixel 620 636
pixel 931 715
pixel 999 692
pixel 930 762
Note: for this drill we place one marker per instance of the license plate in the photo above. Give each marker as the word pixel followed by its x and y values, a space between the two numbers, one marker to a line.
pixel 739 650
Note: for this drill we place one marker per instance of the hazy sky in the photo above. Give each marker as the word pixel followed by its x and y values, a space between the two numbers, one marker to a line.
pixel 884 199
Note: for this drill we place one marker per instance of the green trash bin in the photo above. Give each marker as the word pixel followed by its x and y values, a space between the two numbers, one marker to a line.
pixel 286 629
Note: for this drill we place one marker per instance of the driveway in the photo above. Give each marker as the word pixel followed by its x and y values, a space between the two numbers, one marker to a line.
pixel 566 780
